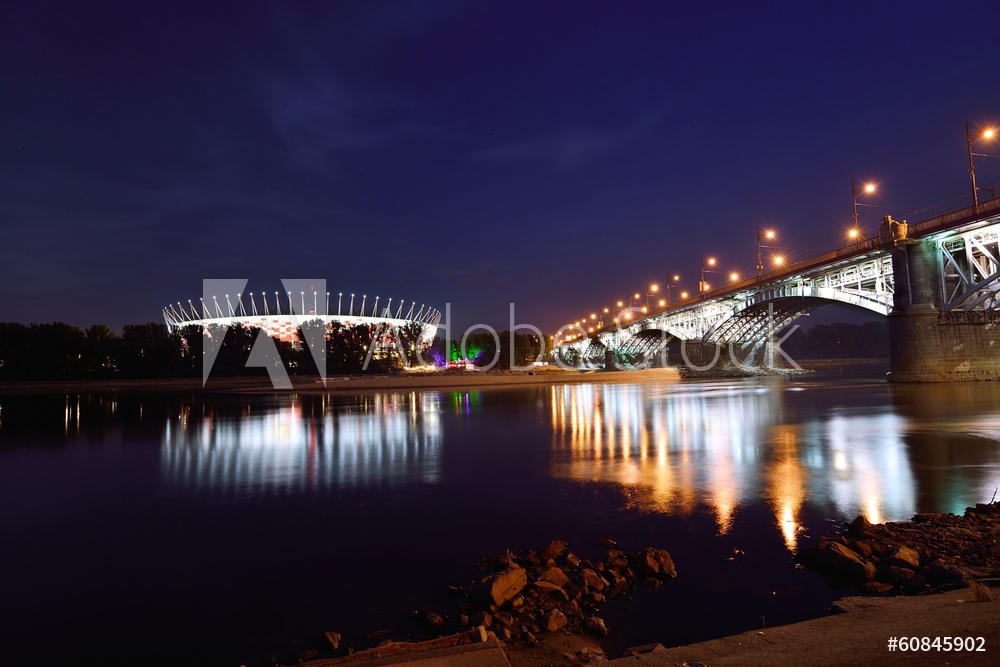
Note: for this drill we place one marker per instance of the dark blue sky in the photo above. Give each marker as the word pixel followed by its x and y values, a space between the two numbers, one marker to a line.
pixel 555 155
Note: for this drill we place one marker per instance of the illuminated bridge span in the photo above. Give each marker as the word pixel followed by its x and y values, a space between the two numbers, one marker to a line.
pixel 937 281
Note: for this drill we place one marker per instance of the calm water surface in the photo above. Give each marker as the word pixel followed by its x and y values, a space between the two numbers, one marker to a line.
pixel 217 529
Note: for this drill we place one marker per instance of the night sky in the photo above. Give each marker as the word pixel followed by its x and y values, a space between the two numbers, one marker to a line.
pixel 559 155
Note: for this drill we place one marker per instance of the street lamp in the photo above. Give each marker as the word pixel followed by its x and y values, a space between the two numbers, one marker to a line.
pixel 987 134
pixel 856 232
pixel 651 291
pixel 675 278
pixel 769 236
pixel 710 261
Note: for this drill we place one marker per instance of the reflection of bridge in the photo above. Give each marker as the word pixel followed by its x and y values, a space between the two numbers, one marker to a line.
pixel 937 281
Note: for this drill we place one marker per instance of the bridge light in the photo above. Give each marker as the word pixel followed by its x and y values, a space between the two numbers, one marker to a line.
pixel 593 316
pixel 645 309
pixel 605 310
pixel 663 302
pixel 620 304
pixel 734 276
pixel 591 329
pixel 869 188
pixel 988 133
pixel 654 287
pixel 779 260
pixel 853 234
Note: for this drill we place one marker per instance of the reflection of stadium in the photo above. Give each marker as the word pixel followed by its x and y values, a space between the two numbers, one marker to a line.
pixel 281 315
pixel 311 446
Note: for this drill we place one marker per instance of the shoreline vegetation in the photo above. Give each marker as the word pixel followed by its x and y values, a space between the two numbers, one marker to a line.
pixel 404 380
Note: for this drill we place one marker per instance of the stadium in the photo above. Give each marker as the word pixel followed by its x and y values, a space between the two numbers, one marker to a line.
pixel 280 315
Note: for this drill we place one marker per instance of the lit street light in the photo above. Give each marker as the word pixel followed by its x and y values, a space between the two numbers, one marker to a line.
pixel 768 235
pixel 675 278
pixel 856 232
pixel 987 134
pixel 651 291
pixel 702 287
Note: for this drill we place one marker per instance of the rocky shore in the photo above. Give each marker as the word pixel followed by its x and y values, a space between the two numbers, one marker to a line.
pixel 523 599
pixel 930 553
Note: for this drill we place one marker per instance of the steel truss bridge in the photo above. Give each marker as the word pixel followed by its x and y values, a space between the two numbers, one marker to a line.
pixel 963 246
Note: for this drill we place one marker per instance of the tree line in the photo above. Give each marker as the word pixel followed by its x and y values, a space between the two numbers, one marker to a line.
pixel 59 351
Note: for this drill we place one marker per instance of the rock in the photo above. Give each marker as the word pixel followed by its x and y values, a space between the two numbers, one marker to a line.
pixel 605 542
pixel 651 582
pixel 859 526
pixel 547 587
pixel 554 549
pixel 642 650
pixel 876 587
pixel 556 576
pixel 572 561
pixel 861 548
pixel 592 580
pixel 572 608
pixel 307 655
pixel 505 585
pixel 430 618
pixel 595 625
pixel 503 618
pixel 481 618
pixel 334 639
pixel 656 562
pixel 555 621
pixel 841 561
pixel 905 557
pixel 616 559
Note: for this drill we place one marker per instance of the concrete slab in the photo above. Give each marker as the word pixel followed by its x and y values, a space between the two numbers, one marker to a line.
pixel 857 637
pixel 482 654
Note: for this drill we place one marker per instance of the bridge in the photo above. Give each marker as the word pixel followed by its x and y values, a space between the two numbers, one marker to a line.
pixel 937 282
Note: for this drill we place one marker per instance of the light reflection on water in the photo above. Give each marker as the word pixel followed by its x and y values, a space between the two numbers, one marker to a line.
pixel 385 439
pixel 727 444
pixel 674 448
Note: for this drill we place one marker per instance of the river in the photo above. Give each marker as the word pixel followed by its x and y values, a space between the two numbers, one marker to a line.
pixel 224 529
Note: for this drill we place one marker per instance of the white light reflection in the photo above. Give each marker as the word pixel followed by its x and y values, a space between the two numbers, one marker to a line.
pixel 382 440
pixel 722 445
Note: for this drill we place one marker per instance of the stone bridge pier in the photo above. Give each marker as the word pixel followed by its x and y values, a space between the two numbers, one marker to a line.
pixel 931 340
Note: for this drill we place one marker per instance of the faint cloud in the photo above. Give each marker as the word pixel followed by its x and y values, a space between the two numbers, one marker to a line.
pixel 320 119
pixel 573 146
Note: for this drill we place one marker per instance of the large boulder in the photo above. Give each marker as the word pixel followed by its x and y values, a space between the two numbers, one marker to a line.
pixel 503 586
pixel 656 562
pixel 842 562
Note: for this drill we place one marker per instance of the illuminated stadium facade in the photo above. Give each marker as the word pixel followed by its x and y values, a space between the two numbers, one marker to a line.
pixel 282 320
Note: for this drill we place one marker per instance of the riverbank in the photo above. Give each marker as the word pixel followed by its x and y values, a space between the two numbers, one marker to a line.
pixel 405 381
pixel 543 607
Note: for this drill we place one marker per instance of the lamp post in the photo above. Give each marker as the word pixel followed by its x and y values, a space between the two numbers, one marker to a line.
pixel 673 279
pixel 710 261
pixel 987 134
pixel 856 232
pixel 768 235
